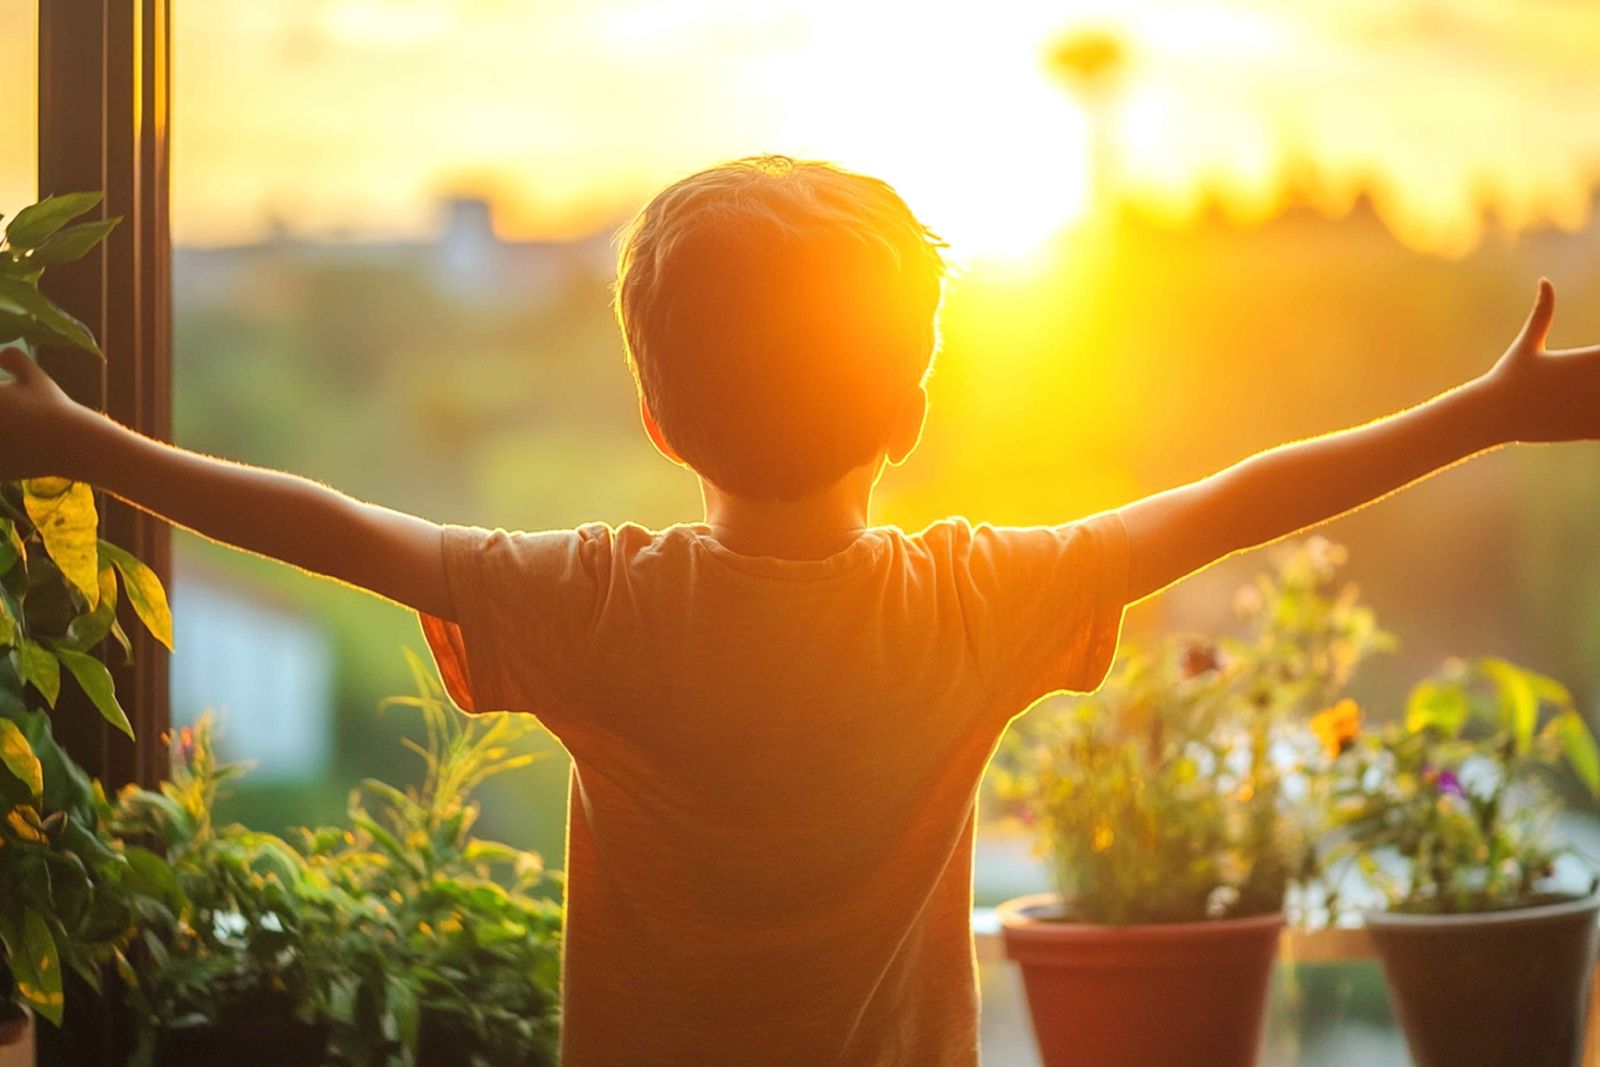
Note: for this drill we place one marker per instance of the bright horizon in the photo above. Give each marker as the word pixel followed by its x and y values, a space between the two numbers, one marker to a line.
pixel 354 117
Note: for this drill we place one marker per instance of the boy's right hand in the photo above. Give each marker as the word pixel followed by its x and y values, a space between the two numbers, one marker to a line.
pixel 1531 394
pixel 38 421
pixel 1546 395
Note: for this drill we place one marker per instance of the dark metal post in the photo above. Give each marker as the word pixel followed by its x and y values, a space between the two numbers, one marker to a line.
pixel 104 77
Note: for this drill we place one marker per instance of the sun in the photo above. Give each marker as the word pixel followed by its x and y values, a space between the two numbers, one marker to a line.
pixel 989 150
pixel 999 202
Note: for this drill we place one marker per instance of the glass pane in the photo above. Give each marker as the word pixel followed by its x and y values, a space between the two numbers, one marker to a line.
pixel 1228 226
pixel 19 96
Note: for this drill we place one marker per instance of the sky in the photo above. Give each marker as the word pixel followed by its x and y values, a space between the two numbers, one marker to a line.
pixel 353 117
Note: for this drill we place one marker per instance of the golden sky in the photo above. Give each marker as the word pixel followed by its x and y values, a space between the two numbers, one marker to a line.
pixel 353 116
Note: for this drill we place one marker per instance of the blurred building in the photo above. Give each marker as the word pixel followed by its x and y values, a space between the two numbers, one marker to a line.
pixel 466 258
pixel 264 669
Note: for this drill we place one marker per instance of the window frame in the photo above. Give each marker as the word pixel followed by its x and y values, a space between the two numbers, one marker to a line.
pixel 103 123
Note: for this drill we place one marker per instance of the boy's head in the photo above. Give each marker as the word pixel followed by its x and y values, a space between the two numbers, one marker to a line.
pixel 780 317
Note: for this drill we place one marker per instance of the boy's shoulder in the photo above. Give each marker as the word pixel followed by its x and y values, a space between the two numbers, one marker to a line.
pixel 599 547
pixel 631 540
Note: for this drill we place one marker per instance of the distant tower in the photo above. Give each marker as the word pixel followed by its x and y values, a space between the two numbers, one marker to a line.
pixel 1091 64
pixel 469 252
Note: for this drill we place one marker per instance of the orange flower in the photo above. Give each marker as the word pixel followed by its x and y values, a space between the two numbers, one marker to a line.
pixel 1337 726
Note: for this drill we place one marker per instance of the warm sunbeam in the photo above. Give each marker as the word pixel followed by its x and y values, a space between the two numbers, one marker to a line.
pixel 569 112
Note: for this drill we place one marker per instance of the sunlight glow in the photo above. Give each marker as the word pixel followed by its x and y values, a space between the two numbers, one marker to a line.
pixel 352 117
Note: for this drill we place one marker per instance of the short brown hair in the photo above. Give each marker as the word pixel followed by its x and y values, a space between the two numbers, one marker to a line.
pixel 778 315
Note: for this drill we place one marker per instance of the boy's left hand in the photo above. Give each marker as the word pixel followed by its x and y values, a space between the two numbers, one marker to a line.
pixel 1546 395
pixel 36 420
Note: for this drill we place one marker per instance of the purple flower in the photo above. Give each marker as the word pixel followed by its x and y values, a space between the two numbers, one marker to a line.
pixel 1450 785
pixel 1445 782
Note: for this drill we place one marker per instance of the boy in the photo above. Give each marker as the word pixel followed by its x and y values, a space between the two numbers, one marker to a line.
pixel 778 716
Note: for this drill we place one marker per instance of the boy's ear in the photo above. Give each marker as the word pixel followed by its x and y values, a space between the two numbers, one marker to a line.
pixel 907 430
pixel 657 438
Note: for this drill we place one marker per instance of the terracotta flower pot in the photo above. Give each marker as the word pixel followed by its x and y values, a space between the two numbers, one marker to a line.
pixel 1132 996
pixel 16 1039
pixel 1491 988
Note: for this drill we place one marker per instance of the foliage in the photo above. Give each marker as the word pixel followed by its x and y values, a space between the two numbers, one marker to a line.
pixel 66 891
pixel 1450 810
pixel 1162 798
pixel 395 931
pixel 224 929
pixel 440 951
pixel 64 885
pixel 37 238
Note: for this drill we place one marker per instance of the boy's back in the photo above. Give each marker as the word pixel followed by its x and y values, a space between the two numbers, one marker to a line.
pixel 774 767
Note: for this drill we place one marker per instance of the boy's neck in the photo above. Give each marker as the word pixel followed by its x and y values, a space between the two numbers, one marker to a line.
pixel 813 527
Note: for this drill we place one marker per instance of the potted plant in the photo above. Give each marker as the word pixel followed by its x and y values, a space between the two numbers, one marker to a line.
pixel 64 901
pixel 1161 804
pixel 1487 953
pixel 225 969
pixel 449 953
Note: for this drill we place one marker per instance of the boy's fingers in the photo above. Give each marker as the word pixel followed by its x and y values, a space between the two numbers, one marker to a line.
pixel 1537 328
pixel 15 362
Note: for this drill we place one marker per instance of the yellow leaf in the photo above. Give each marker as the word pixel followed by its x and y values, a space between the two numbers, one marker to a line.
pixel 65 516
pixel 24 827
pixel 37 968
pixel 145 593
pixel 17 755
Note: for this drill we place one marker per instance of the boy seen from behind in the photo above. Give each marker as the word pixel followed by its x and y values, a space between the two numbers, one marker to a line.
pixel 778 715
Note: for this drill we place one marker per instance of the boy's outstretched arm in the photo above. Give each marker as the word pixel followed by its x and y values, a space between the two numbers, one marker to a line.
pixel 1530 395
pixel 44 432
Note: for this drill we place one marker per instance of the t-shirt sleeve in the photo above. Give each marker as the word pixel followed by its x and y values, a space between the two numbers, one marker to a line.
pixel 1045 604
pixel 525 610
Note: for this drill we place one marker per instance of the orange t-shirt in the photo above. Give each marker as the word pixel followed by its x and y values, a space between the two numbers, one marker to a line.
pixel 774 767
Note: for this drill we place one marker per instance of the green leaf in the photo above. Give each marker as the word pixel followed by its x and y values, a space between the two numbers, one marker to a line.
pixel 66 786
pixel 8 624
pixel 18 296
pixel 64 513
pixel 18 757
pixel 35 963
pixel 71 243
pixel 15 326
pixel 15 264
pixel 36 222
pixel 95 681
pixel 1578 745
pixel 1517 700
pixel 153 876
pixel 403 1006
pixel 36 665
pixel 1441 706
pixel 11 546
pixel 144 590
pixel 88 845
pixel 90 628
